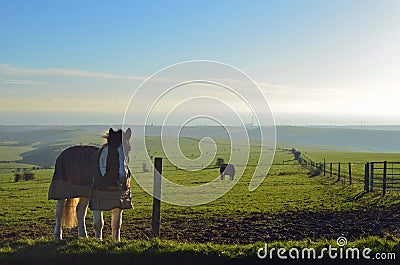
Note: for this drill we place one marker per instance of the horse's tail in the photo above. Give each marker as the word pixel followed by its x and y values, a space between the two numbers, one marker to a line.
pixel 69 218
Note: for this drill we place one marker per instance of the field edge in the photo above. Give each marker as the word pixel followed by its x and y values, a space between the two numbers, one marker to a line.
pixel 83 250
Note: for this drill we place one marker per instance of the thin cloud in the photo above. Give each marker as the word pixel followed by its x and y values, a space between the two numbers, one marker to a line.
pixel 11 70
pixel 16 82
pixel 61 104
pixel 270 85
pixel 7 69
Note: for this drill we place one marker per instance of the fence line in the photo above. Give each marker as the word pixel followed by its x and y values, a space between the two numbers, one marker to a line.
pixel 384 175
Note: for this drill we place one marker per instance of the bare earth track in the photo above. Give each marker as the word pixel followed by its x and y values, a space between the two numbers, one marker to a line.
pixel 248 229
pixel 283 226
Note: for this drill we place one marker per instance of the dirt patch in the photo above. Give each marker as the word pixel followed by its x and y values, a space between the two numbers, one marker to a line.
pixel 264 227
pixel 284 226
pixel 245 229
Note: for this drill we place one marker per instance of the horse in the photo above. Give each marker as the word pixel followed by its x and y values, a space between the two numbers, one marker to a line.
pixel 227 169
pixel 97 177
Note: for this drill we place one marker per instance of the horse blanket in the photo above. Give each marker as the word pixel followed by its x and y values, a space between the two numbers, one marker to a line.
pixel 77 174
pixel 227 169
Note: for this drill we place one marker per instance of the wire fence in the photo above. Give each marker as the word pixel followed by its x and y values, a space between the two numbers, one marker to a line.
pixel 383 176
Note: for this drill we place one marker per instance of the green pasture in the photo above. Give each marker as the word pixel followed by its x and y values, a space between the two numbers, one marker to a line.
pixel 10 167
pixel 12 153
pixel 287 187
pixel 318 155
pixel 166 251
pixel 356 159
pixel 27 217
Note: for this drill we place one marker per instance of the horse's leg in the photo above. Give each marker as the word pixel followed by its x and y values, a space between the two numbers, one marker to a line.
pixel 98 223
pixel 81 210
pixel 116 222
pixel 60 204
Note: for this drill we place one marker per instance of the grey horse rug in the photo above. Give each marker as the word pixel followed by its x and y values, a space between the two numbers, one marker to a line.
pixel 77 174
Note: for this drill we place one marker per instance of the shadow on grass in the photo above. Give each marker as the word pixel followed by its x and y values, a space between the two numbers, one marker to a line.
pixel 376 198
pixel 56 252
pixel 357 197
pixel 108 259
pixel 314 173
pixel 84 251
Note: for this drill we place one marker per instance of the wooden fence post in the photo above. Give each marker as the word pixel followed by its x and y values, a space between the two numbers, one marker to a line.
pixel 338 176
pixel 366 178
pixel 350 180
pixel 156 197
pixel 324 167
pixel 384 178
pixel 371 177
pixel 330 170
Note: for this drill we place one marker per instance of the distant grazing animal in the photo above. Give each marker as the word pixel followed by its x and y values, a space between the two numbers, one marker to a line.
pixel 95 177
pixel 227 169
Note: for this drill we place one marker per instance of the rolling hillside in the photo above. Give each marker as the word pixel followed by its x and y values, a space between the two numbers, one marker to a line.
pixel 40 145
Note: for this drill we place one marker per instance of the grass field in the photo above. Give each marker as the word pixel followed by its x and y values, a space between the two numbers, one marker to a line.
pixel 282 211
pixel 356 159
pixel 171 252
pixel 12 153
pixel 318 155
pixel 13 167
pixel 291 209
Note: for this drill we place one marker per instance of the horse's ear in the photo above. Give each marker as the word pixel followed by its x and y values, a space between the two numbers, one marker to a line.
pixel 128 133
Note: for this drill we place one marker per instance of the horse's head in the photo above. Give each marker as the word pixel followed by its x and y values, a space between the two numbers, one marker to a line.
pixel 118 153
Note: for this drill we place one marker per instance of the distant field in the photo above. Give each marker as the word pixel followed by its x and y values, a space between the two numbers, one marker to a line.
pixel 12 153
pixel 318 155
pixel 356 159
pixel 12 167
pixel 8 143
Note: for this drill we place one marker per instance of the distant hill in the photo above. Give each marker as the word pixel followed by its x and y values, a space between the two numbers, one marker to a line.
pixel 49 141
pixel 374 139
pixel 24 137
pixel 43 157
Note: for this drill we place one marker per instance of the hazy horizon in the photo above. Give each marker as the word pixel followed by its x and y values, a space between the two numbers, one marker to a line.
pixel 95 118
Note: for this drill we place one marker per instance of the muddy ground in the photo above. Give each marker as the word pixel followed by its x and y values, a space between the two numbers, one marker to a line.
pixel 243 229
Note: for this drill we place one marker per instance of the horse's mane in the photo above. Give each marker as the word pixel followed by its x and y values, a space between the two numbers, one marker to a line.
pixel 106 135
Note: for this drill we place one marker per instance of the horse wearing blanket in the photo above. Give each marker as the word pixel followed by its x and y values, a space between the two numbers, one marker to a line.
pixel 95 177
pixel 227 169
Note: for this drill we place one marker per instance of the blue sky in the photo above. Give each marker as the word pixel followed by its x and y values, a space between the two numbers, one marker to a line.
pixel 302 51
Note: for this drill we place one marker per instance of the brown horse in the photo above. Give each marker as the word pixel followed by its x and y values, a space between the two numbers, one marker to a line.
pixel 95 177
